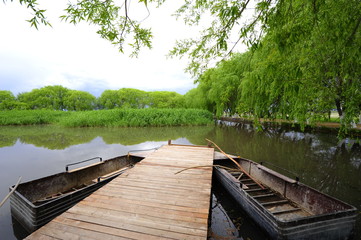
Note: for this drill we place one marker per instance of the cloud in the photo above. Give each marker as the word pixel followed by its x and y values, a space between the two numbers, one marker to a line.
pixel 77 58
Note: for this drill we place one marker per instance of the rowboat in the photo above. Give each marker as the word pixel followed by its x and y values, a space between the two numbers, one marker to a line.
pixel 284 207
pixel 35 203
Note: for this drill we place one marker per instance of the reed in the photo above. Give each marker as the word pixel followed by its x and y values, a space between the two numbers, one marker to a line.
pixel 138 118
pixel 108 118
pixel 31 117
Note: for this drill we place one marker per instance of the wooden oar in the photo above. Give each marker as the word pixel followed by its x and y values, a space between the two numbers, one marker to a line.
pixel 235 162
pixel 7 196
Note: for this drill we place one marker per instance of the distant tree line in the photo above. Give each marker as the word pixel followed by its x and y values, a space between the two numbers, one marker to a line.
pixel 61 98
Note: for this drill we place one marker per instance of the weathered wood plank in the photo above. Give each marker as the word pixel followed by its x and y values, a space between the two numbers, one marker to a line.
pixel 101 230
pixel 150 203
pixel 157 195
pixel 147 189
pixel 137 225
pixel 160 213
pixel 125 216
pixel 168 201
pixel 158 183
pixel 41 236
pixel 184 182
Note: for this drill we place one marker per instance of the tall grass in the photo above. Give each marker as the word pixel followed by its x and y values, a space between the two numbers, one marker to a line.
pixel 109 118
pixel 30 117
pixel 138 118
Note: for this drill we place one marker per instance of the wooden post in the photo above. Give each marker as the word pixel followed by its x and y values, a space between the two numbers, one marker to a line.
pixel 169 142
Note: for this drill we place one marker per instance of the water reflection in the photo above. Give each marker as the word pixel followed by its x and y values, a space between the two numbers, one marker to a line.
pixel 34 152
pixel 228 219
pixel 58 138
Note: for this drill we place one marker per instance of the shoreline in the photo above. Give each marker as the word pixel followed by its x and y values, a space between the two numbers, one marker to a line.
pixel 331 127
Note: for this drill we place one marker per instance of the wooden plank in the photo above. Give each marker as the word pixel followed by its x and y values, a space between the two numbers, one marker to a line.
pixel 176 186
pixel 174 199
pixel 181 181
pixel 171 171
pixel 160 213
pixel 158 183
pixel 149 201
pixel 164 178
pixel 136 225
pixel 137 221
pixel 100 230
pixel 169 201
pixel 131 216
pixel 148 189
pixel 41 236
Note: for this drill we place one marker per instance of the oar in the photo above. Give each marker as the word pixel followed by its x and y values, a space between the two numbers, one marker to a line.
pixel 239 166
pixel 7 196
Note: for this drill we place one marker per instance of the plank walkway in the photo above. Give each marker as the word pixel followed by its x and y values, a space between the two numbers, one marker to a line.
pixel 149 201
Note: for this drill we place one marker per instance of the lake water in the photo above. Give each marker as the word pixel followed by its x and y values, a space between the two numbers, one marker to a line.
pixel 33 152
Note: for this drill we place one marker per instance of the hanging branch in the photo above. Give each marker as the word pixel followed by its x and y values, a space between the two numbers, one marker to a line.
pixel 235 162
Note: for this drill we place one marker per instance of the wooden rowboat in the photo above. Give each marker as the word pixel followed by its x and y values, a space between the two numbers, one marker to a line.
pixel 37 202
pixel 284 207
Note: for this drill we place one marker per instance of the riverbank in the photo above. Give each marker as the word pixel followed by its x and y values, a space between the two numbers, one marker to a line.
pixel 108 118
pixel 330 127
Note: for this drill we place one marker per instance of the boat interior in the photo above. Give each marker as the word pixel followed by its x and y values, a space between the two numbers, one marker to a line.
pixel 58 185
pixel 280 206
pixel 285 198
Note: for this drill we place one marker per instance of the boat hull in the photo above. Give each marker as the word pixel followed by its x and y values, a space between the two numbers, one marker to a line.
pixel 336 225
pixel 32 214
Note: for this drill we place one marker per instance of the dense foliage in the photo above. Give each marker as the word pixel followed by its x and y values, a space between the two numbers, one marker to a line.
pixel 108 118
pixel 307 64
pixel 61 98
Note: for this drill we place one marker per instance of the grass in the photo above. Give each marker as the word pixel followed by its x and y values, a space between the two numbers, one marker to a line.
pixel 30 117
pixel 108 118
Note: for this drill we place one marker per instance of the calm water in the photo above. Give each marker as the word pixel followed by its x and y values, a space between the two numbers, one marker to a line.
pixel 34 152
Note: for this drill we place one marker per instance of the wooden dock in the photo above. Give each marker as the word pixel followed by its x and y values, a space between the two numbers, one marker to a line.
pixel 149 201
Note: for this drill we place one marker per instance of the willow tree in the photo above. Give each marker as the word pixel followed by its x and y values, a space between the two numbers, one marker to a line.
pixel 7 100
pixel 79 101
pixel 219 86
pixel 306 62
pixel 48 97
pixel 309 62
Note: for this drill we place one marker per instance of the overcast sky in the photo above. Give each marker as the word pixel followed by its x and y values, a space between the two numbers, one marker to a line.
pixel 77 58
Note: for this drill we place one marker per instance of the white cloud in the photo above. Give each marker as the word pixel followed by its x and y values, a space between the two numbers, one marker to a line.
pixel 77 58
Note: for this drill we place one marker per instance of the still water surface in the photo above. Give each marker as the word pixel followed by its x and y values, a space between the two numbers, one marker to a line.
pixel 33 152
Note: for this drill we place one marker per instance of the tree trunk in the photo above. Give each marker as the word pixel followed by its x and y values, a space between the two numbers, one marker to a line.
pixel 339 108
